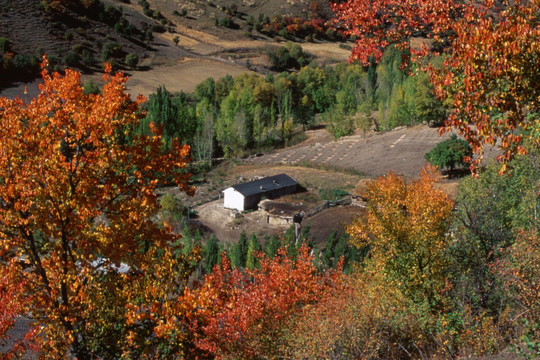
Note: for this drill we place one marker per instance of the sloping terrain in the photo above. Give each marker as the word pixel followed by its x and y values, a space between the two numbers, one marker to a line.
pixel 317 163
pixel 401 150
pixel 178 42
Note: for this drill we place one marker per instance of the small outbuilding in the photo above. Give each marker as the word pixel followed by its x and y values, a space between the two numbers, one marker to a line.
pixel 247 195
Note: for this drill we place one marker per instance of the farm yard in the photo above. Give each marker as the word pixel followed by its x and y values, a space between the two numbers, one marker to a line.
pixel 317 163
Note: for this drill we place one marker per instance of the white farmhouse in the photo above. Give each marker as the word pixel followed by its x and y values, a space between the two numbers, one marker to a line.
pixel 247 195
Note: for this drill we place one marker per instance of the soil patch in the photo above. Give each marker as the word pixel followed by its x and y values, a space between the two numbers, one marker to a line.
pixel 336 218
pixel 228 228
pixel 401 150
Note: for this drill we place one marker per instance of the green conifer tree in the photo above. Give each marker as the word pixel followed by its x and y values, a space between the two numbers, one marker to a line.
pixel 253 248
pixel 239 252
pixel 211 254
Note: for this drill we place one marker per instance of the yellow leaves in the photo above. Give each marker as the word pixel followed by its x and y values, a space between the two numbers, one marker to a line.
pixel 405 228
pixel 67 180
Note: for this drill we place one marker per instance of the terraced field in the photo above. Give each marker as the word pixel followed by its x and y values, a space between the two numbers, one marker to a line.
pixel 401 150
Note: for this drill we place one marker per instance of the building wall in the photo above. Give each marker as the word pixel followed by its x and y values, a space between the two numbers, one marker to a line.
pixel 233 199
pixel 278 220
pixel 282 191
pixel 251 202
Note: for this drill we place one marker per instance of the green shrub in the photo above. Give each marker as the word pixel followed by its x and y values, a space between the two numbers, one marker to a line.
pixel 132 60
pixel 226 22
pixel 5 45
pixel 110 50
pixel 71 59
pixel 450 153
pixel 172 209
pixel 88 58
pixel 68 35
pixel 40 51
pixel 158 28
pixel 24 62
pixel 91 87
pixel 148 35
pixel 332 194
pixel 290 56
pixel 77 48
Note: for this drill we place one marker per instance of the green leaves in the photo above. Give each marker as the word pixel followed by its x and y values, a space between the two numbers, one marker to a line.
pixel 450 153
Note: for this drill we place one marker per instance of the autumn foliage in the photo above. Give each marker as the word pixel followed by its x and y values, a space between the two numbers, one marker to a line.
pixel 492 77
pixel 489 74
pixel 404 231
pixel 77 201
pixel 395 302
pixel 249 314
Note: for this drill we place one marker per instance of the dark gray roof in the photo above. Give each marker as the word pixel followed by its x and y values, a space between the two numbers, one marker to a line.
pixel 264 185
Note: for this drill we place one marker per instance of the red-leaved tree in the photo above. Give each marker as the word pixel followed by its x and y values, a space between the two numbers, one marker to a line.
pixel 490 71
pixel 248 314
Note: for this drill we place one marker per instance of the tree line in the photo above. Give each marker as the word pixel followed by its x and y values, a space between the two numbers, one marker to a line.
pixel 235 116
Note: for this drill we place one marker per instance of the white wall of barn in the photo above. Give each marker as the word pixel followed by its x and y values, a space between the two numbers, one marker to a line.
pixel 233 199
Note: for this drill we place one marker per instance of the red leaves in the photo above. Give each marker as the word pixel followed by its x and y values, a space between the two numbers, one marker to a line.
pixel 491 69
pixel 380 23
pixel 247 314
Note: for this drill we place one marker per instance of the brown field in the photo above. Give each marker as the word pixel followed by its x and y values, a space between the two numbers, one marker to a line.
pixel 401 151
pixel 183 76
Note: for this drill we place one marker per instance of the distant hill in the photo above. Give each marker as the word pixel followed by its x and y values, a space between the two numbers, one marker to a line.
pixel 84 33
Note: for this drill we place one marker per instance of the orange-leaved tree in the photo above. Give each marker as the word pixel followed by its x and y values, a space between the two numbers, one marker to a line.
pixel 249 315
pixel 378 24
pixel 490 72
pixel 370 319
pixel 492 77
pixel 79 242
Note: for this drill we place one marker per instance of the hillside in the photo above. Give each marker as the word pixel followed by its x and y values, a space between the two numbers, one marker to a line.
pixel 175 43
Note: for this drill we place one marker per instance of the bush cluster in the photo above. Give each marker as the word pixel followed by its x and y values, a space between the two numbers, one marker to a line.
pixel 289 27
